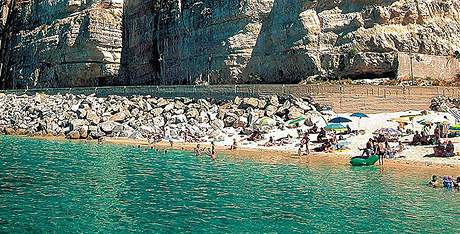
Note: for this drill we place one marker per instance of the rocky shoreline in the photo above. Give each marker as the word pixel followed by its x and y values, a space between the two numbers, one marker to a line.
pixel 146 117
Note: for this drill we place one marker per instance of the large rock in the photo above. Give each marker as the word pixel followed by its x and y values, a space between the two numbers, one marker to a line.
pixel 192 113
pixel 73 135
pixel 118 117
pixel 107 127
pixel 158 121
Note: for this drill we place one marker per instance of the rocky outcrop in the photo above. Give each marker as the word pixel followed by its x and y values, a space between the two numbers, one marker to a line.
pixel 284 41
pixel 82 117
pixel 64 43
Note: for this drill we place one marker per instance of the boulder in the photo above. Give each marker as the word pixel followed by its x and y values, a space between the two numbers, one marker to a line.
pixel 229 121
pixel 108 126
pixel 76 123
pixel 192 113
pixel 262 104
pixel 179 105
pixel 158 121
pixel 81 113
pixel 270 110
pixel 162 102
pixel 237 101
pixel 83 131
pixel 92 117
pixel 97 134
pixel 9 131
pixel 274 101
pixel 157 112
pixel 169 107
pixel 118 117
pixel 249 102
pixel 75 134
pixel 295 113
pixel 217 124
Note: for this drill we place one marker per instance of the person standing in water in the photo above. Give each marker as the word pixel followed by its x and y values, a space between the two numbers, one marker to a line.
pixel 213 151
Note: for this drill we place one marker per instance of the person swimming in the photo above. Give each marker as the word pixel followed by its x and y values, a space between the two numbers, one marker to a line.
pixel 447 182
pixel 434 182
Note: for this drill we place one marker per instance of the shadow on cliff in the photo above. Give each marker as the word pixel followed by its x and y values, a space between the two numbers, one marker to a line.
pixel 279 55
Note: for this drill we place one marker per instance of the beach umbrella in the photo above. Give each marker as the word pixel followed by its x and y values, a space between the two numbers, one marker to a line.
pixel 335 127
pixel 359 115
pixel 455 128
pixel 389 133
pixel 404 120
pixel 296 120
pixel 339 120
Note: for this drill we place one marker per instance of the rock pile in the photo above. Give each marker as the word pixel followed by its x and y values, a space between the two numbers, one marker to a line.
pixel 439 103
pixel 91 117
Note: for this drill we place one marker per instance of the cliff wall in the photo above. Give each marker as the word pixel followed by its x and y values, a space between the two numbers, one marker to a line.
pixel 64 43
pixel 286 41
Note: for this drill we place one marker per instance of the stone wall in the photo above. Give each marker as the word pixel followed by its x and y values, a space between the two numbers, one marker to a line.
pixel 343 99
pixel 446 68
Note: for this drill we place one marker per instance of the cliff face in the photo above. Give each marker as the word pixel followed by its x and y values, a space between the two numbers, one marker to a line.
pixel 278 41
pixel 57 43
pixel 64 43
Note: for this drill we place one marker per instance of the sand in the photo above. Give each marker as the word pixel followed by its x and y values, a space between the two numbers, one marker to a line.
pixel 413 157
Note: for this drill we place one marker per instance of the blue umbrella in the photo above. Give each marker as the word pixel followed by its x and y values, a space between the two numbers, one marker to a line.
pixel 339 120
pixel 359 115
pixel 335 127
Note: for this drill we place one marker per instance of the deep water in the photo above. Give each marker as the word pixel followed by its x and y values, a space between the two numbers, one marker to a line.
pixel 62 186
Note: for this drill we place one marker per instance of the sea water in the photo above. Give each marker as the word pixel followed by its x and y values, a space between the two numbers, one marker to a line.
pixel 63 186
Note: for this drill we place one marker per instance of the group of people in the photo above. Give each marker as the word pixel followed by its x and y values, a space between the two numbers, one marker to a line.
pixel 446 182
pixel 198 150
pixel 380 146
pixel 445 149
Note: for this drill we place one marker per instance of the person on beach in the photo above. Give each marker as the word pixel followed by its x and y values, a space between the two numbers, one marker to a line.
pixel 416 140
pixel 434 182
pixel 381 151
pixel 213 151
pixel 234 146
pixel 457 184
pixel 369 148
pixel 450 149
pixel 447 182
pixel 314 129
pixel 304 142
pixel 197 150
pixel 171 143
pixel 321 135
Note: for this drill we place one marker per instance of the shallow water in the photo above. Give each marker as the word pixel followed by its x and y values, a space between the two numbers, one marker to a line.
pixel 52 186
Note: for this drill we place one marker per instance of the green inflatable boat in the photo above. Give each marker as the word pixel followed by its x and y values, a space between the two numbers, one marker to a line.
pixel 361 161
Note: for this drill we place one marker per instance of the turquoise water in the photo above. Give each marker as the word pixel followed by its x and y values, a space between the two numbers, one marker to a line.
pixel 48 186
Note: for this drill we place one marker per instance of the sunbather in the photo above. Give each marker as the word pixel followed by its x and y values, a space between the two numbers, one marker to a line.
pixel 450 149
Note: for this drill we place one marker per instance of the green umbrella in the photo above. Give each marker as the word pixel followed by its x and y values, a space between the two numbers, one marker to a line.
pixel 296 120
pixel 455 128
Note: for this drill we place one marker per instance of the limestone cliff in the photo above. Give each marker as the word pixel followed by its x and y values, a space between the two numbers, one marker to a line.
pixel 285 41
pixel 61 43
pixel 64 43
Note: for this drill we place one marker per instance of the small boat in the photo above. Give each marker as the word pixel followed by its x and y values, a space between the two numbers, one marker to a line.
pixel 362 161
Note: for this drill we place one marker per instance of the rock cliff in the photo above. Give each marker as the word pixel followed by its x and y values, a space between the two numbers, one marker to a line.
pixel 62 43
pixel 285 41
pixel 57 43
